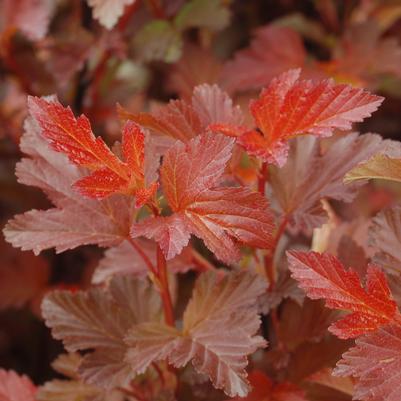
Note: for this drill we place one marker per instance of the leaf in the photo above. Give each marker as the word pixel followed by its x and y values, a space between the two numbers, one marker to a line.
pixel 380 167
pixel 64 390
pixel 74 389
pixel 363 55
pixel 75 138
pixel 323 276
pixel 263 389
pixel 210 14
pixel 385 236
pixel 227 306
pixel 31 17
pixel 315 171
pixel 99 319
pixel 16 388
pixel 290 107
pixel 196 66
pixel 158 41
pixel 218 215
pixel 184 120
pixel 125 260
pixel 75 220
pixel 273 50
pixel 375 362
pixel 108 12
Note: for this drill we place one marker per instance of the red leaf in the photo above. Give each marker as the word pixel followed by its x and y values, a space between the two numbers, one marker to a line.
pixel 184 120
pixel 219 215
pixel 75 138
pixel 74 220
pixel 273 51
pixel 16 388
pixel 216 307
pixel 315 170
pixel 99 319
pixel 375 362
pixel 323 276
pixel 290 107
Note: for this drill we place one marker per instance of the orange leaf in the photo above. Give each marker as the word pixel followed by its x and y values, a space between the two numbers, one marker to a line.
pixel 323 276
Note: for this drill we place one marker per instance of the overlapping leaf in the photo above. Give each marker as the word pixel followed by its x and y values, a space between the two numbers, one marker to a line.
pixel 312 174
pixel 75 138
pixel 125 260
pixel 219 215
pixel 184 120
pixel 75 220
pixel 227 306
pixel 380 167
pixel 375 362
pixel 99 319
pixel 273 51
pixel 16 388
pixel 323 276
pixel 385 236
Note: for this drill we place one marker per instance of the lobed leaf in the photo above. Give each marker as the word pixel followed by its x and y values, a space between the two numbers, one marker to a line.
pixel 75 138
pixel 323 276
pixel 375 362
pixel 75 220
pixel 228 306
pixel 273 50
pixel 385 236
pixel 315 171
pixel 99 319
pixel 290 107
pixel 218 215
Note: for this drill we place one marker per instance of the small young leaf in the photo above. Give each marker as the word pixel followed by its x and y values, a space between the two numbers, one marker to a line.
pixel 108 12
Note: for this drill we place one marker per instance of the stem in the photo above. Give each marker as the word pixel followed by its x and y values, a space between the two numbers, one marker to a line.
pixel 164 287
pixel 145 257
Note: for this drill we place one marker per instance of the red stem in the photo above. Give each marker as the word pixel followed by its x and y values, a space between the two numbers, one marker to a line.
pixel 145 257
pixel 164 288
